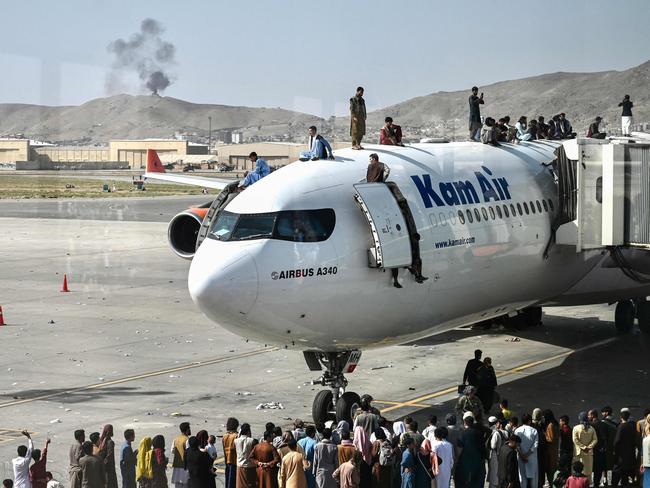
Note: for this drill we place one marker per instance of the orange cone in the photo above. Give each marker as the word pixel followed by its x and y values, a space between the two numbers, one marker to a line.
pixel 2 319
pixel 65 284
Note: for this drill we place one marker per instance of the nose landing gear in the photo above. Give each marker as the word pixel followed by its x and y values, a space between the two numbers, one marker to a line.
pixel 335 403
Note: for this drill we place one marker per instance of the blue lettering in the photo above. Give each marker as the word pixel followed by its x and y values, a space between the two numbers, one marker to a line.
pixel 504 186
pixel 466 192
pixel 486 188
pixel 449 194
pixel 426 191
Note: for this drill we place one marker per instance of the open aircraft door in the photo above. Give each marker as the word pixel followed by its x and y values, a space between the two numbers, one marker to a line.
pixel 390 222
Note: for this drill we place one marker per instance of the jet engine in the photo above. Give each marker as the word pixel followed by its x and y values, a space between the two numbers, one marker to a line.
pixel 183 231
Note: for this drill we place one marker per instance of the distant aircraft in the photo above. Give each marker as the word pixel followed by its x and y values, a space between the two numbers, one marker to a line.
pixel 303 258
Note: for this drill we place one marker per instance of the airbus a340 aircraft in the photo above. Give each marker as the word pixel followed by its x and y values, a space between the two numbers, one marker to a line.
pixel 303 258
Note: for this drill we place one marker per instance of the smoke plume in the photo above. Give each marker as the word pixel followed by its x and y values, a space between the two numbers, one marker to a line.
pixel 145 53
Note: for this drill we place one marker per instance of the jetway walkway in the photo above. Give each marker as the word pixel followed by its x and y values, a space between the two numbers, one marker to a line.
pixel 604 194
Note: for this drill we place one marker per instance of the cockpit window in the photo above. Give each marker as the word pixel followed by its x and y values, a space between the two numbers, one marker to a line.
pixel 287 225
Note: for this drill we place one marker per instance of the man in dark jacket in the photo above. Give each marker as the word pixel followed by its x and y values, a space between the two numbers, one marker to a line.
pixel 508 465
pixel 470 376
pixel 475 122
pixel 128 460
pixel 600 450
pixel 611 425
pixel 625 445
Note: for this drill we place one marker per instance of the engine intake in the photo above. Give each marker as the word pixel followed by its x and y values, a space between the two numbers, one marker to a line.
pixel 183 231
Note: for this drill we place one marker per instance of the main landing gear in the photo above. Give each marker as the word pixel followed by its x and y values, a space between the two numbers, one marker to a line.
pixel 628 310
pixel 335 403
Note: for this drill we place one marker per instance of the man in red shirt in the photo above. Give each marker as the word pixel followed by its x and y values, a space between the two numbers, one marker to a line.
pixel 390 134
pixel 38 470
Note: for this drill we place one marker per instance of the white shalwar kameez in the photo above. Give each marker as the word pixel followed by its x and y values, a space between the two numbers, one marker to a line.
pixel 529 442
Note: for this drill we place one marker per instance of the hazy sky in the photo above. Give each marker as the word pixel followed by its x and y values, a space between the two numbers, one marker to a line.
pixel 310 56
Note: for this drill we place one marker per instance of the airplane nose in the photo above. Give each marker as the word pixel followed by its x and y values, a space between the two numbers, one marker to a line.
pixel 223 280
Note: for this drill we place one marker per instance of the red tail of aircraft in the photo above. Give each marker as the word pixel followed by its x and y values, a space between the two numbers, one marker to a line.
pixel 153 162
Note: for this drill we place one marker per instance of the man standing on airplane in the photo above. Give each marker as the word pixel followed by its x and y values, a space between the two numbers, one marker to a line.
pixel 357 118
pixel 626 116
pixel 475 123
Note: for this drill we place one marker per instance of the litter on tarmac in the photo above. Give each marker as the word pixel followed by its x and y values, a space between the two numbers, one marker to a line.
pixel 270 406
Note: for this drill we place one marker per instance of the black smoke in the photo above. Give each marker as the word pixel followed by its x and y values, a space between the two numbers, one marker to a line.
pixel 147 54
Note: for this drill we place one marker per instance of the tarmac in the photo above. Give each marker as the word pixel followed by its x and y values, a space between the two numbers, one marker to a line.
pixel 127 346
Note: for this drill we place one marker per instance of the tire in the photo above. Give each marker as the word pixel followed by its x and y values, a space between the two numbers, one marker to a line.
pixel 643 315
pixel 346 406
pixel 624 316
pixel 322 406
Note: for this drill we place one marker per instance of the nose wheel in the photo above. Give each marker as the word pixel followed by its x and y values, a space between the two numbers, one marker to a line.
pixel 335 403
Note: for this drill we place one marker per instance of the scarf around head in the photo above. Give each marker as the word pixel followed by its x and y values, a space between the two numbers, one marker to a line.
pixel 107 432
pixel 143 468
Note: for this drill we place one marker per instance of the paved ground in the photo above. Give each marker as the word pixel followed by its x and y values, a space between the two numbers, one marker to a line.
pixel 128 347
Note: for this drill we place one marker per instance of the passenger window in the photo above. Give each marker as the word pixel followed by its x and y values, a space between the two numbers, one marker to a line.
pixel 443 219
pixel 470 218
pixel 545 205
pixel 513 210
pixel 550 204
pixel 452 218
pixel 505 210
pixel 498 211
pixel 434 220
pixel 521 213
pixel 539 206
pixel 461 217
pixel 477 215
pixel 484 213
pixel 532 207
pixel 526 208
pixel 491 212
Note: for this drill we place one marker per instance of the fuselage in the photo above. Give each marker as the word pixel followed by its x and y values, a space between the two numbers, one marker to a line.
pixel 483 215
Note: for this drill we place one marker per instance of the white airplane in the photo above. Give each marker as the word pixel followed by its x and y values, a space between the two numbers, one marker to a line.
pixel 303 258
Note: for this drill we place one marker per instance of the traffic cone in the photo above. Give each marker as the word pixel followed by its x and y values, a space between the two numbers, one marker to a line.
pixel 2 319
pixel 65 284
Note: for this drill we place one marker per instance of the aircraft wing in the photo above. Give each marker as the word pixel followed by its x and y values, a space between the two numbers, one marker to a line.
pixel 156 171
pixel 216 183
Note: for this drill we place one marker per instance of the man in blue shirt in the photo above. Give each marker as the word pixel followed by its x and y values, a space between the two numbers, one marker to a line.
pixel 261 166
pixel 260 171
pixel 319 148
pixel 128 459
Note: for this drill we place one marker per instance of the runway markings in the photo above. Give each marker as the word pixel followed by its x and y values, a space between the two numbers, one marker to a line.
pixel 417 402
pixel 98 386
pixel 10 435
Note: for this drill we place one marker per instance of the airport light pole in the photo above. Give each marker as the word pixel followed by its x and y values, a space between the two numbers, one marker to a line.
pixel 209 133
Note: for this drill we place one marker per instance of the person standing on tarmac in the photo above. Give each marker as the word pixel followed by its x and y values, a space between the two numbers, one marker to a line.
pixel 470 376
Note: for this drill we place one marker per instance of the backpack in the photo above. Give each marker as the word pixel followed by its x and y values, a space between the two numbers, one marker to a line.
pixel 386 454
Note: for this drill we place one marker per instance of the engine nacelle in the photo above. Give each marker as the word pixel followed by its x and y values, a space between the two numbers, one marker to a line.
pixel 183 231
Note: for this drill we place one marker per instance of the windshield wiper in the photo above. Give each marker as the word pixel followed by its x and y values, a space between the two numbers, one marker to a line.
pixel 253 236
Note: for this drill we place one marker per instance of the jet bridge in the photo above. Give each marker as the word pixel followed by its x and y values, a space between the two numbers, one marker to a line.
pixel 604 194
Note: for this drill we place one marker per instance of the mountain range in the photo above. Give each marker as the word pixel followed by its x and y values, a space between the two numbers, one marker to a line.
pixel 581 96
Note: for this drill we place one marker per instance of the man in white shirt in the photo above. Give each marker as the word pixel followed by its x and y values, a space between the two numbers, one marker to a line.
pixel 528 476
pixel 21 463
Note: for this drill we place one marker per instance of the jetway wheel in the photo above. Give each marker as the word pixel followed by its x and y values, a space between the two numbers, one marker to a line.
pixel 322 407
pixel 643 315
pixel 346 406
pixel 624 316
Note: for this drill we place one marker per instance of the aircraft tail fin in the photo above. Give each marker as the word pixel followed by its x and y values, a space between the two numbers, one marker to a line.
pixel 153 162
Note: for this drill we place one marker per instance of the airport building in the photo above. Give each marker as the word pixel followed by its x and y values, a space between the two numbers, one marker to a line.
pixel 120 154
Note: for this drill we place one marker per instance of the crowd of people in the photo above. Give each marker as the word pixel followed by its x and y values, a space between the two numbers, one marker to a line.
pixel 475 445
pixel 494 132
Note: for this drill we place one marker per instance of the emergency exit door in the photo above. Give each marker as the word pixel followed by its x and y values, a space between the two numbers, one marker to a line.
pixel 388 226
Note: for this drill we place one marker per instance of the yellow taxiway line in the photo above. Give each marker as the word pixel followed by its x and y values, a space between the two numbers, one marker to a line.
pixel 417 402
pixel 97 386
